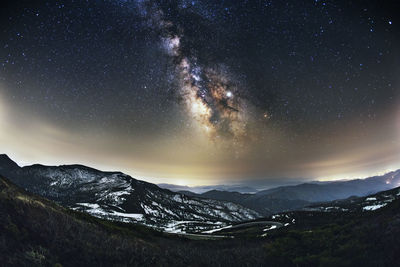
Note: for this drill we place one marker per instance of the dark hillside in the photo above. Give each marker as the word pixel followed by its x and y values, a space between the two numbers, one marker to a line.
pixel 36 232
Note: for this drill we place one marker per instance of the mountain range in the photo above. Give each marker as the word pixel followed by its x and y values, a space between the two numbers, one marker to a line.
pixel 35 231
pixel 202 189
pixel 117 196
pixel 286 198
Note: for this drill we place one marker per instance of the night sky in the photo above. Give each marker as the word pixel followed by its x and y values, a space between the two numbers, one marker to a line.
pixel 203 92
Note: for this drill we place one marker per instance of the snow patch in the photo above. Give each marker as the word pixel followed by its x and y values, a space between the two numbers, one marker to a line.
pixel 272 227
pixel 98 211
pixel 374 207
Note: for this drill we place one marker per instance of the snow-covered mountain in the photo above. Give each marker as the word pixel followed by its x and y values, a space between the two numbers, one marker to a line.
pixel 359 204
pixel 117 196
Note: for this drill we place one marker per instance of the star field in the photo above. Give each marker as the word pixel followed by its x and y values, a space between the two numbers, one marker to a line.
pixel 205 90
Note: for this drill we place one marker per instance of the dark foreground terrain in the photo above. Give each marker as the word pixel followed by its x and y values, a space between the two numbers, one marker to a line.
pixel 36 232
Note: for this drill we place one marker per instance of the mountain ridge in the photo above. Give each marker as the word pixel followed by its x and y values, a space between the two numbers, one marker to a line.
pixel 292 197
pixel 117 196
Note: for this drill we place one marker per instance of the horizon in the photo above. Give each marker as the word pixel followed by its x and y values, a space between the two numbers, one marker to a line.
pixel 257 185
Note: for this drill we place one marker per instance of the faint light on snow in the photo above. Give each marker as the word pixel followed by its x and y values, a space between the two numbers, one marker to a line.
pixel 374 207
pixel 272 227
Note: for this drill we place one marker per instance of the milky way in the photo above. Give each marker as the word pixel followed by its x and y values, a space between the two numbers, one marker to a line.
pixel 209 95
